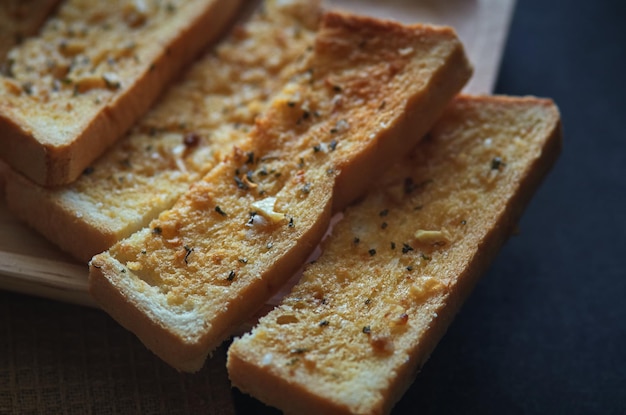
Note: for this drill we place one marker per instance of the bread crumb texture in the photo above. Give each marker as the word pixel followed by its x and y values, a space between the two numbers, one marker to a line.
pixel 92 71
pixel 183 137
pixel 240 232
pixel 82 58
pixel 360 323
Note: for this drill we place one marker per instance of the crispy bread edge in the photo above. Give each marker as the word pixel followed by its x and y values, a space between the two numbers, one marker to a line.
pixel 107 288
pixel 50 165
pixel 58 222
pixel 124 306
pixel 293 398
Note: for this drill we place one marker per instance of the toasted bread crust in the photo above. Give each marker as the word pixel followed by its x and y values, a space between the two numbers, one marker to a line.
pixel 20 19
pixel 4 171
pixel 133 305
pixel 191 128
pixel 51 148
pixel 443 84
pixel 267 206
pixel 355 331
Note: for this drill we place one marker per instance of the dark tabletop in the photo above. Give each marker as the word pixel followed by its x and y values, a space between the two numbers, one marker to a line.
pixel 544 331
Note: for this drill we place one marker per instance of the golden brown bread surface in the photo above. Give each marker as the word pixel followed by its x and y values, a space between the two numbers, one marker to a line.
pixel 368 91
pixel 192 127
pixel 366 315
pixel 94 68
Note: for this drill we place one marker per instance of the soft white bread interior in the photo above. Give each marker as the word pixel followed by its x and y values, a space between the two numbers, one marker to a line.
pixel 192 127
pixel 363 97
pixel 364 318
pixel 18 20
pixel 94 68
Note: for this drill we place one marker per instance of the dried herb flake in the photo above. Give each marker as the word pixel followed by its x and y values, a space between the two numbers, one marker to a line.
pixel 406 248
pixel 220 211
pixel 187 253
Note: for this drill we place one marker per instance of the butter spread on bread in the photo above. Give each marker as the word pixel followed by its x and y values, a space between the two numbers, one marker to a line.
pixel 177 142
pixel 94 68
pixel 353 333
pixel 366 93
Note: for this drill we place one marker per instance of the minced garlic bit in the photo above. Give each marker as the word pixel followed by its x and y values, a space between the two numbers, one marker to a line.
pixel 342 126
pixel 425 288
pixel 267 359
pixel 178 152
pixel 405 51
pixel 134 266
pixel 434 237
pixel 266 208
pixel 111 80
pixel 136 13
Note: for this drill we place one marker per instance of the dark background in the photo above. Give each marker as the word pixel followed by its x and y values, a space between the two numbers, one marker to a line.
pixel 544 331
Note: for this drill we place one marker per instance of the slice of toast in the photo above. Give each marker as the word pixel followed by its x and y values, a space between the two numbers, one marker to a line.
pixel 354 332
pixel 20 19
pixel 95 67
pixel 204 266
pixel 192 127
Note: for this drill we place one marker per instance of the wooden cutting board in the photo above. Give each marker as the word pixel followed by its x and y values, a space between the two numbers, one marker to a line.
pixel 29 264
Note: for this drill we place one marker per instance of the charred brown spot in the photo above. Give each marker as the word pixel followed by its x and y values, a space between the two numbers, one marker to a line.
pixel 191 140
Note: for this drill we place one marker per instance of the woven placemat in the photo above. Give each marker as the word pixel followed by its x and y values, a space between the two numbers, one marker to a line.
pixel 65 359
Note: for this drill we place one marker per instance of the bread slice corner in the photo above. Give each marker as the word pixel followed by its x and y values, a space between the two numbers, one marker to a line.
pixel 94 68
pixel 181 138
pixel 239 233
